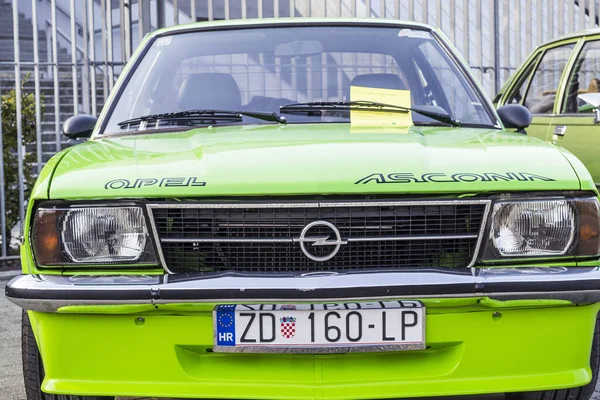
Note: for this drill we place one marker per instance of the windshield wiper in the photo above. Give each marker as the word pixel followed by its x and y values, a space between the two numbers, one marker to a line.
pixel 204 115
pixel 433 112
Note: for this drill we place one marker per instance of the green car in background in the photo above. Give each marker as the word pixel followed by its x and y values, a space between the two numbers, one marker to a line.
pixel 308 209
pixel 560 84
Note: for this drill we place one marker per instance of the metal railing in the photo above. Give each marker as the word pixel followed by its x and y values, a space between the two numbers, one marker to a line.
pixel 88 42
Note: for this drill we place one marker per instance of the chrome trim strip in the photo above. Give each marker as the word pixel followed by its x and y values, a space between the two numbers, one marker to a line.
pixel 232 205
pixel 405 203
pixel 296 240
pixel 410 238
pixel 225 240
pixel 157 244
pixel 55 306
pixel 319 204
pixel 167 205
pixel 484 222
pixel 577 284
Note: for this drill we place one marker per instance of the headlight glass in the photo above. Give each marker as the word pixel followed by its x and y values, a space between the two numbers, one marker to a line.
pixel 92 235
pixel 544 228
pixel 533 228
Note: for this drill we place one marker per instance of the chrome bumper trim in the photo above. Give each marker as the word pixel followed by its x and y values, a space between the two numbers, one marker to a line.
pixel 49 294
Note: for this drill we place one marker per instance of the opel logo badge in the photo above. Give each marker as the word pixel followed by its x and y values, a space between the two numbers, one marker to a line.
pixel 310 241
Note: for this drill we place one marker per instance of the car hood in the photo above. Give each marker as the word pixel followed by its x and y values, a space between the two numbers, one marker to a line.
pixel 310 159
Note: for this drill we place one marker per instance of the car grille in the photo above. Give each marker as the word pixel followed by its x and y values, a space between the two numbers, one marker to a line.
pixel 257 237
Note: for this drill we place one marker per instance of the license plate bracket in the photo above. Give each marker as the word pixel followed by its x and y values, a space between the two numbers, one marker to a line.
pixel 320 328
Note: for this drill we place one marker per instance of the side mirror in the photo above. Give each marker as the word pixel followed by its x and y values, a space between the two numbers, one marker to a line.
pixel 593 99
pixel 79 126
pixel 515 116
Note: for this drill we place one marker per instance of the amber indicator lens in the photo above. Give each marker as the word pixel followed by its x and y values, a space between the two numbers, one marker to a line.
pixel 45 237
pixel 589 227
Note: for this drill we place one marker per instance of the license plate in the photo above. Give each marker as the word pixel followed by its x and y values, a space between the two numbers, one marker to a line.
pixel 319 328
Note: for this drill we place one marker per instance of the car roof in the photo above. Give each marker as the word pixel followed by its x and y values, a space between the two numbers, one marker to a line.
pixel 233 23
pixel 575 35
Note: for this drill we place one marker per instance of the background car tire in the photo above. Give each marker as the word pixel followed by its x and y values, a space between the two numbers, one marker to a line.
pixel 33 370
pixel 578 393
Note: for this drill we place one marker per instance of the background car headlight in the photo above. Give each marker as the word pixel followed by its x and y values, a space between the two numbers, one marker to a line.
pixel 544 228
pixel 91 235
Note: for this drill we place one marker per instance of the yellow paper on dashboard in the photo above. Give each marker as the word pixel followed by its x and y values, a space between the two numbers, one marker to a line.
pixel 375 117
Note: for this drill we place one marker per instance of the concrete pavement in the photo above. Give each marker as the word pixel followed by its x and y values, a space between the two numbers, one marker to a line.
pixel 11 378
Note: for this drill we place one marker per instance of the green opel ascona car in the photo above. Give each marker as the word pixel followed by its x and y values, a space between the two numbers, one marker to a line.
pixel 560 84
pixel 308 209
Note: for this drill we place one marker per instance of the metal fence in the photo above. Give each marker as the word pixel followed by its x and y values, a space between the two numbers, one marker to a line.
pixel 71 51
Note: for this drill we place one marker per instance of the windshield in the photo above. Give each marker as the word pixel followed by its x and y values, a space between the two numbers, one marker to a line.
pixel 263 69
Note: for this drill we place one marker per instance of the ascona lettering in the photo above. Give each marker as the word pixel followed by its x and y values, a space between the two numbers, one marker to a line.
pixel 441 177
pixel 156 182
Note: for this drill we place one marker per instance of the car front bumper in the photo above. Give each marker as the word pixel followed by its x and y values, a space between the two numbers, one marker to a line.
pixel 127 336
pixel 51 293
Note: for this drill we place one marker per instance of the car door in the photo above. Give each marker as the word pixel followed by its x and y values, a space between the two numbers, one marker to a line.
pixel 574 126
pixel 538 86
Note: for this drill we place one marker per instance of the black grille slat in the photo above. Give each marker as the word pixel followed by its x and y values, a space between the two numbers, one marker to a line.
pixel 371 222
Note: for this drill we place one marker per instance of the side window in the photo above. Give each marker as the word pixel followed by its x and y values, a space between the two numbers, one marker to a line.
pixel 517 92
pixel 544 85
pixel 585 78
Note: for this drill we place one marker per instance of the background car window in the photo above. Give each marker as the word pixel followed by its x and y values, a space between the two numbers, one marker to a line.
pixel 542 91
pixel 516 95
pixel 585 78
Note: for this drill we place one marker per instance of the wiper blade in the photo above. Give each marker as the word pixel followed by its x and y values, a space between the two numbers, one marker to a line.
pixel 188 115
pixel 204 115
pixel 433 112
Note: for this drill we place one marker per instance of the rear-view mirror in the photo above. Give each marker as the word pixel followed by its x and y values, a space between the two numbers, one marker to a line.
pixel 299 48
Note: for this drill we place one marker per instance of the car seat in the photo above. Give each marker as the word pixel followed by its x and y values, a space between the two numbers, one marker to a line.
pixel 210 91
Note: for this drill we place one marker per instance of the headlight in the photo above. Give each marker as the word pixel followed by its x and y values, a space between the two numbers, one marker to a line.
pixel 91 235
pixel 544 228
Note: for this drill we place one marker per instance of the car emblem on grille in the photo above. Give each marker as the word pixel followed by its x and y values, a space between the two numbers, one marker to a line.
pixel 320 240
